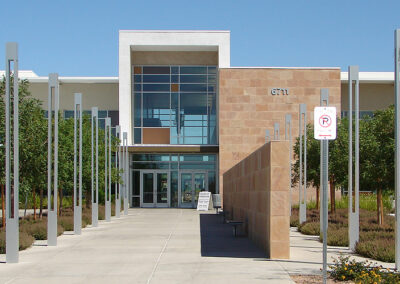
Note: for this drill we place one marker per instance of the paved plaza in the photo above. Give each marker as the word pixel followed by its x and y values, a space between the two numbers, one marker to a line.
pixel 161 246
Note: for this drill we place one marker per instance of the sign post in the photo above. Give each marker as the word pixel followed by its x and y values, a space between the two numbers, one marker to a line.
pixel 397 166
pixel 324 129
pixel 324 101
pixel 52 169
pixel 12 204
pixel 78 160
pixel 303 172
pixel 95 167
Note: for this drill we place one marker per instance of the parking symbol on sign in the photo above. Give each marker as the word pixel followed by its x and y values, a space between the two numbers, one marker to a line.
pixel 325 121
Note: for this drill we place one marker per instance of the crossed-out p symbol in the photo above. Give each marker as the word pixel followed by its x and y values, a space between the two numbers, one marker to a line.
pixel 325 121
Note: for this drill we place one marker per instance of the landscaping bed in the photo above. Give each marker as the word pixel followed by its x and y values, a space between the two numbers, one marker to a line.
pixel 376 241
pixel 31 230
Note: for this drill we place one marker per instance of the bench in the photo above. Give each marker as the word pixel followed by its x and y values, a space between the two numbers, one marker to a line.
pixel 234 225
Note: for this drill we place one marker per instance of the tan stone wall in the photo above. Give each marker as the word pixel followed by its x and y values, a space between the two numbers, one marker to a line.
pixel 256 191
pixel 372 96
pixel 102 95
pixel 247 108
pixel 174 58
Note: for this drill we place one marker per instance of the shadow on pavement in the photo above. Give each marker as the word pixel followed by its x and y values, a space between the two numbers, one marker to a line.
pixel 217 240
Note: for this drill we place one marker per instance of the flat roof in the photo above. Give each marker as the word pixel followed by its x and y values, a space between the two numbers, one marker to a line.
pixel 365 77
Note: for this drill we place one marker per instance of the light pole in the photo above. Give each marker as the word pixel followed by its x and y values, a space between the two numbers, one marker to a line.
pixel 118 166
pixel 78 160
pixel 126 173
pixel 303 167
pixel 12 205
pixel 95 166
pixel 107 170
pixel 397 168
pixel 52 170
pixel 288 136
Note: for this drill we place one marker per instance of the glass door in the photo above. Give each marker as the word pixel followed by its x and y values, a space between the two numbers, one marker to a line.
pixel 154 189
pixel 191 184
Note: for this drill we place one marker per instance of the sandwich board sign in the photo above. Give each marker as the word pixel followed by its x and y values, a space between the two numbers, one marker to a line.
pixel 325 123
pixel 204 202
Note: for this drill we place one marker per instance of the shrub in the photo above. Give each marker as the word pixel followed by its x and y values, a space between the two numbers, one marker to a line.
pixel 338 236
pixel 25 241
pixel 67 222
pixel 309 228
pixel 345 269
pixel 380 249
pixel 38 230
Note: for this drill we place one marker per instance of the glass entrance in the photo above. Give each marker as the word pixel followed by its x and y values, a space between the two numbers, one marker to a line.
pixel 154 189
pixel 191 184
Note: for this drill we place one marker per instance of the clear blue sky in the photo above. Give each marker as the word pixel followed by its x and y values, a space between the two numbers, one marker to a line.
pixel 80 38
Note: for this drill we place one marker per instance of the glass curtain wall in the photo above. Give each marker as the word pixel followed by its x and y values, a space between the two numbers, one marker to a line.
pixel 175 164
pixel 181 98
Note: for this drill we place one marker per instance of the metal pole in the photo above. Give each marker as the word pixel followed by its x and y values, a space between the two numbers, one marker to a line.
pixel 78 171
pixel 353 209
pixel 397 167
pixel 324 101
pixel 267 136
pixel 107 177
pixel 52 172
pixel 126 173
pixel 276 131
pixel 303 168
pixel 95 166
pixel 117 166
pixel 325 205
pixel 12 204
pixel 288 136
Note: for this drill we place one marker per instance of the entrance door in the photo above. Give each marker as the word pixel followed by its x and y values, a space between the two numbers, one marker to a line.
pixel 190 184
pixel 154 189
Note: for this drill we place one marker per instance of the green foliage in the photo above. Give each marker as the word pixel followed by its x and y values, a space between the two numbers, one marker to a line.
pixel 346 269
pixel 309 228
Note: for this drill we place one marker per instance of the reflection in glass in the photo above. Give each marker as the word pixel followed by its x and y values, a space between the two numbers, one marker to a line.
pixel 148 194
pixel 186 188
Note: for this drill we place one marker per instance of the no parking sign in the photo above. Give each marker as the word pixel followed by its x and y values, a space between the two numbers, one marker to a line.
pixel 325 123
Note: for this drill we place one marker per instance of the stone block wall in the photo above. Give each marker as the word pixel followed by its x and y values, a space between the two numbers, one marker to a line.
pixel 256 191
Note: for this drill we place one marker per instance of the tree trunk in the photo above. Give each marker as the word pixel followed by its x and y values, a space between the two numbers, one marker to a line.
pixel 317 200
pixel 3 206
pixel 332 186
pixel 34 203
pixel 60 194
pixel 379 206
pixel 88 197
pixel 41 203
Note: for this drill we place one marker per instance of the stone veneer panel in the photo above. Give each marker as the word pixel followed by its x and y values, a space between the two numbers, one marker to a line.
pixel 247 108
pixel 256 191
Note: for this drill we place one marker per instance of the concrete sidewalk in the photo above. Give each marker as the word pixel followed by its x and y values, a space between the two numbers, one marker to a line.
pixel 162 246
pixel 148 246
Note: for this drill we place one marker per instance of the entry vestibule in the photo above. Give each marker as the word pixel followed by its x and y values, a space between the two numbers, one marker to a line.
pixel 171 180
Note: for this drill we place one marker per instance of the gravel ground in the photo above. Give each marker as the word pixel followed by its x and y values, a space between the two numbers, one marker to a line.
pixel 314 279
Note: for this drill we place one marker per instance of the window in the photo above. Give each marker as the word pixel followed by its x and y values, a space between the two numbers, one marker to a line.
pixel 181 98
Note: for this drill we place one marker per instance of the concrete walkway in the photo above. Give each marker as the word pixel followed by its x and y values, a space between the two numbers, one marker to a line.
pixel 160 246
pixel 147 246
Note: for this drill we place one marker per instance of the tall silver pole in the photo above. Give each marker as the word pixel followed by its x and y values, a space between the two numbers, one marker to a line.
pixel 276 131
pixel 267 136
pixel 353 209
pixel 107 176
pixel 303 168
pixel 117 166
pixel 324 101
pixel 288 136
pixel 95 166
pixel 126 173
pixel 324 206
pixel 397 168
pixel 78 168
pixel 52 172
pixel 12 202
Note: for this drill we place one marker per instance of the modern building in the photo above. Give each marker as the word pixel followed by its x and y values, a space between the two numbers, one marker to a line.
pixel 190 116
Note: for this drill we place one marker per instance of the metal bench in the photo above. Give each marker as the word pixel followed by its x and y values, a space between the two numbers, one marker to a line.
pixel 234 225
